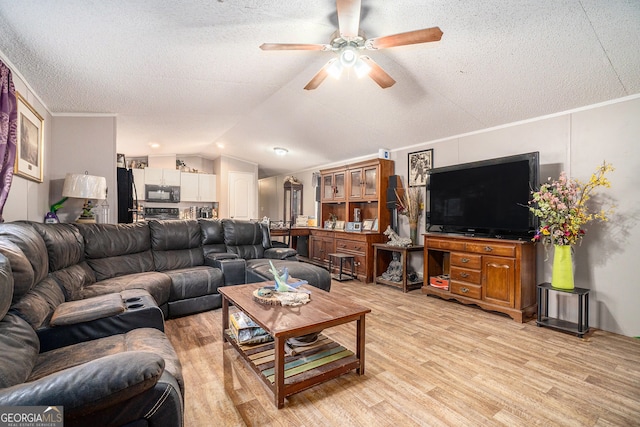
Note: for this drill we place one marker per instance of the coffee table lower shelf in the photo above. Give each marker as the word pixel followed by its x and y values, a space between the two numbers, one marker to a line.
pixel 311 365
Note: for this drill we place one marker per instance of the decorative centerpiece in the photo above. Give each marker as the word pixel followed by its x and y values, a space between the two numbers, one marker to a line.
pixel 411 205
pixel 283 292
pixel 561 206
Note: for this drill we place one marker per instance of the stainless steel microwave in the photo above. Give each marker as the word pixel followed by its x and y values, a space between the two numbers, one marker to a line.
pixel 162 193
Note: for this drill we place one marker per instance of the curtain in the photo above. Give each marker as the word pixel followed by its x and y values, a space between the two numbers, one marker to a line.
pixel 8 133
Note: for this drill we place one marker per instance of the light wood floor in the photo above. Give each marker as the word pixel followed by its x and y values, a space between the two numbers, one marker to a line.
pixel 428 363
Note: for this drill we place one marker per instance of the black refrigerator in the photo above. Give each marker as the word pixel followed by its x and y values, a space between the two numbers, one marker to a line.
pixel 126 195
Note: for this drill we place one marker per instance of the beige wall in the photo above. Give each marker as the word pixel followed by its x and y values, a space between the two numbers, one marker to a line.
pixel 83 143
pixel 577 142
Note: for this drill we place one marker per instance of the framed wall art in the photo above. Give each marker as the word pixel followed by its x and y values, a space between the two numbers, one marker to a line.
pixel 30 142
pixel 419 163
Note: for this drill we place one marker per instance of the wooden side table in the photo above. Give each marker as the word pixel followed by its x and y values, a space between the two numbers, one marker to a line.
pixel 340 259
pixel 382 257
pixel 580 328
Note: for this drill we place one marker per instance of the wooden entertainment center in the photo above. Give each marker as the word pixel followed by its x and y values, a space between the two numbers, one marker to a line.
pixel 495 274
pixel 361 186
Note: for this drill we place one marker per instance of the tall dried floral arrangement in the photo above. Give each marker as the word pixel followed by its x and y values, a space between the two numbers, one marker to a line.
pixel 411 204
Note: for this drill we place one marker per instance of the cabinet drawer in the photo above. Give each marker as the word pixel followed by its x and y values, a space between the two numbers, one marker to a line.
pixel 320 233
pixel 492 249
pixel 465 289
pixel 466 275
pixel 466 260
pixel 350 245
pixel 445 244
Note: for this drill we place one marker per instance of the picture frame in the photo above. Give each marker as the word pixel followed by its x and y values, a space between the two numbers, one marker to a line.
pixel 418 163
pixel 121 160
pixel 367 225
pixel 30 142
pixel 339 225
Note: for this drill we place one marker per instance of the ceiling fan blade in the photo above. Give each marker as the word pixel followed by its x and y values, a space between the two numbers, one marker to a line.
pixel 348 17
pixel 293 46
pixel 320 76
pixel 411 37
pixel 378 75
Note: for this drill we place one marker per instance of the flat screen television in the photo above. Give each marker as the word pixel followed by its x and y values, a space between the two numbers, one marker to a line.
pixel 485 198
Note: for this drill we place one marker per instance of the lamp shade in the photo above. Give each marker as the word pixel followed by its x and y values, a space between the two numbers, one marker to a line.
pixel 85 186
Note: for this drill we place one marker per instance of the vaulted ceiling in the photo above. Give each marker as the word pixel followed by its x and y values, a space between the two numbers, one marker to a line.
pixel 189 74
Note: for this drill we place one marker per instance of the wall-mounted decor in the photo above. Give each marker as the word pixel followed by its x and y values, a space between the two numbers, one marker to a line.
pixel 419 163
pixel 29 159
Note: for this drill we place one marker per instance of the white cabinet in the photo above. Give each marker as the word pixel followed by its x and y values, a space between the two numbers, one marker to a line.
pixel 197 187
pixel 155 176
pixel 138 180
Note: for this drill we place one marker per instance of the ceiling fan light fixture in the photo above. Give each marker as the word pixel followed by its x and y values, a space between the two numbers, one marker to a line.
pixel 348 56
pixel 280 151
pixel 361 68
pixel 334 69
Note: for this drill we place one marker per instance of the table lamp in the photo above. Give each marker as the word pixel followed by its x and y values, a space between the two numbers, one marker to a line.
pixel 84 186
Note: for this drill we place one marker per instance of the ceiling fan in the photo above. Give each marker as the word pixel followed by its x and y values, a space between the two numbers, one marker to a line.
pixel 348 42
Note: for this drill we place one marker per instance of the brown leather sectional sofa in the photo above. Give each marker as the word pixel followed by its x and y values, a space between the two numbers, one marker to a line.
pixel 82 309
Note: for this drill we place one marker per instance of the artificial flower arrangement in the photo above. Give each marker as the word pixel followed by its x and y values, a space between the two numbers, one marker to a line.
pixel 561 206
pixel 411 204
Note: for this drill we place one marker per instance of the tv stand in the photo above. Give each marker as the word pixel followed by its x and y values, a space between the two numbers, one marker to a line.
pixel 494 274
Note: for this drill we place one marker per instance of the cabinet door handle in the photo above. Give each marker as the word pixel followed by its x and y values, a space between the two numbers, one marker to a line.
pixel 464 275
pixel 488 249
pixel 464 290
pixel 465 260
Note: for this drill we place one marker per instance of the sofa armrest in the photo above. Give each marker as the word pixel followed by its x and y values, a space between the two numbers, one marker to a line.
pixel 233 268
pixel 92 386
pixel 86 310
pixel 280 253
pixel 219 256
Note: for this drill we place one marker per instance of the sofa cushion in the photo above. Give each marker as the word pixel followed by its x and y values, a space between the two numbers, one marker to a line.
pixel 6 285
pixel 258 270
pixel 176 244
pixel 143 339
pixel 65 245
pixel 38 305
pixel 212 236
pixel 73 279
pixel 113 250
pixel 19 347
pixel 244 238
pixel 156 283
pixel 194 282
pixel 27 253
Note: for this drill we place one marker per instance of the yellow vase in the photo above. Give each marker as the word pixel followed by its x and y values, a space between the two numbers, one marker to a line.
pixel 562 272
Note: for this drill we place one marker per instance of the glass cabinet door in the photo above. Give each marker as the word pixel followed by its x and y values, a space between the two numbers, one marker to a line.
pixel 370 182
pixel 292 202
pixel 327 187
pixel 339 186
pixel 355 187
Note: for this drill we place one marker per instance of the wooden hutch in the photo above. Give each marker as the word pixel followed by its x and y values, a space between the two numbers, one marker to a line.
pixel 344 189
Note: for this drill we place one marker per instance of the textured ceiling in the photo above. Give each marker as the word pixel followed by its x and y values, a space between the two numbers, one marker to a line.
pixel 189 74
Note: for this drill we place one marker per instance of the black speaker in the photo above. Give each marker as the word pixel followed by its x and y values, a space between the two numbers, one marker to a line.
pixel 394 182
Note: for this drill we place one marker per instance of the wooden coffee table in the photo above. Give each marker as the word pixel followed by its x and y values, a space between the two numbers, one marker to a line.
pixel 286 375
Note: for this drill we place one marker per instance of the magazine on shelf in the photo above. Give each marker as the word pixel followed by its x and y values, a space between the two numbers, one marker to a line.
pixel 245 330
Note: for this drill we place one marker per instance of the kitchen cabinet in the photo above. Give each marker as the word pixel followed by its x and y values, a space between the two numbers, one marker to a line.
pixel 154 176
pixel 197 187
